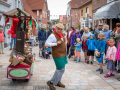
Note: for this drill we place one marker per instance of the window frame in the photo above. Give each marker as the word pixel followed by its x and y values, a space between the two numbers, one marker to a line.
pixel 82 12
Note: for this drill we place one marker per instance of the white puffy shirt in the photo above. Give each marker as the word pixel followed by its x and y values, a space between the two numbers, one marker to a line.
pixel 51 41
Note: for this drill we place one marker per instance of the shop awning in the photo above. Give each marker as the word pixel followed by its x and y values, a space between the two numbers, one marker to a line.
pixel 111 10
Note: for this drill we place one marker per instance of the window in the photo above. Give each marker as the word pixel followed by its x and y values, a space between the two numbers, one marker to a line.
pixel 43 14
pixel 18 4
pixel 87 10
pixel 15 3
pixel 46 15
pixel 81 12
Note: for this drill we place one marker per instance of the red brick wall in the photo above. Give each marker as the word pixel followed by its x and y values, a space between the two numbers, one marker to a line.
pixel 61 19
pixel 64 20
pixel 69 21
pixel 96 4
pixel 75 17
pixel 45 19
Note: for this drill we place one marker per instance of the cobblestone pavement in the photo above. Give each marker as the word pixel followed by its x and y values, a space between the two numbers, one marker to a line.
pixel 78 76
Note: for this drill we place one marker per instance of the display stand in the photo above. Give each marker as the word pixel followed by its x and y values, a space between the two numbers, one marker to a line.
pixel 24 72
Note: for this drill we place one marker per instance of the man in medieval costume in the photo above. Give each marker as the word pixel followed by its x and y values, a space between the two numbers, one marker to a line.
pixel 57 41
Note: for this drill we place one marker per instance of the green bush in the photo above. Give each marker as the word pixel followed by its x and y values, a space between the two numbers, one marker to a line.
pixel 79 26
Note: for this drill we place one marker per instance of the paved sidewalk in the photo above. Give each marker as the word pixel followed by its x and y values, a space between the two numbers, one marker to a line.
pixel 78 76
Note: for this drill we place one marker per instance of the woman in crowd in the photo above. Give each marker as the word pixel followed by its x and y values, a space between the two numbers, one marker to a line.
pixel 69 36
pixel 116 35
pixel 86 33
pixel 73 40
pixel 107 34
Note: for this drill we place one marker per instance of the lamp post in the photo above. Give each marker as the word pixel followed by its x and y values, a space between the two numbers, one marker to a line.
pixel 87 20
pixel 37 19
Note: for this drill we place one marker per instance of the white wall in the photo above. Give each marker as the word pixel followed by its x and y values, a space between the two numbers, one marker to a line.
pixel 68 10
pixel 68 14
pixel 14 4
pixel 5 7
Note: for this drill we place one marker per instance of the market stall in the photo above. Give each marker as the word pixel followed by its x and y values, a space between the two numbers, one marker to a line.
pixel 21 57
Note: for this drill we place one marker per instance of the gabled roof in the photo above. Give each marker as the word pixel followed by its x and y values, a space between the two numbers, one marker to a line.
pixel 28 9
pixel 78 3
pixel 36 4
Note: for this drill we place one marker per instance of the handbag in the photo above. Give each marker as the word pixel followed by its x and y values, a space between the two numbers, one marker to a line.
pixel 96 53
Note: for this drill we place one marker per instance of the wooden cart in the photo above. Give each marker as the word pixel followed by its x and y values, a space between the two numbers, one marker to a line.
pixel 20 73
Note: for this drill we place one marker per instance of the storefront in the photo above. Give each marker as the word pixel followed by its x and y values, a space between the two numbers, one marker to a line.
pixel 110 14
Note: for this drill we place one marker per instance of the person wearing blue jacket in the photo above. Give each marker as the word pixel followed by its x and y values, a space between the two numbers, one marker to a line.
pixel 46 52
pixel 78 46
pixel 42 38
pixel 101 43
pixel 107 33
pixel 91 43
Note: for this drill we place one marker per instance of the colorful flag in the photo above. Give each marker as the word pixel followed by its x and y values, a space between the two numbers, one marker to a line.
pixel 31 23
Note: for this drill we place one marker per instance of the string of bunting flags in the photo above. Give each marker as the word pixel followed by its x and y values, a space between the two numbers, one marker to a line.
pixel 63 15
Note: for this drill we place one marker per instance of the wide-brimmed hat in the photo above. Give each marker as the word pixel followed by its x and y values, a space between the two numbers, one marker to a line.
pixel 59 25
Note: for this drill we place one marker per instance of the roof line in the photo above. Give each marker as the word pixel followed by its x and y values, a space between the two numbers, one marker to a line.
pixel 36 9
pixel 27 4
pixel 85 3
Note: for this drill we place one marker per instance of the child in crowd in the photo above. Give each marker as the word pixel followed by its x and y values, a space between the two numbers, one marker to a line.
pixel 91 43
pixel 46 52
pixel 77 49
pixel 101 47
pixel 85 47
pixel 2 39
pixel 111 58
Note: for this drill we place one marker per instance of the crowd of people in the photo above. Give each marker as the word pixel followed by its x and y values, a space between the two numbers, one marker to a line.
pixel 93 43
pixel 101 40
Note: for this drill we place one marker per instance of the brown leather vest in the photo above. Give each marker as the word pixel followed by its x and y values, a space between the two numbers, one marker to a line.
pixel 59 50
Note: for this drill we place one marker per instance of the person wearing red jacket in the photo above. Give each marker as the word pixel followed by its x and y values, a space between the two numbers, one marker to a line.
pixel 12 31
pixel 13 39
pixel 69 36
pixel 2 39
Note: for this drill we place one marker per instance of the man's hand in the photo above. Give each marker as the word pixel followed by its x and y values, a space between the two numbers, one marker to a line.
pixel 58 42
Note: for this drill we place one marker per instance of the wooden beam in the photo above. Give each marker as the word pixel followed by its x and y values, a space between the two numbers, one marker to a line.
pixel 13 16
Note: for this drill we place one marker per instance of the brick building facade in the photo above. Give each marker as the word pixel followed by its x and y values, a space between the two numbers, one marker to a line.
pixel 96 4
pixel 40 8
pixel 73 14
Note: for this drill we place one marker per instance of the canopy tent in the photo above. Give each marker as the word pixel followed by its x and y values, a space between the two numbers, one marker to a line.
pixel 111 10
pixel 14 14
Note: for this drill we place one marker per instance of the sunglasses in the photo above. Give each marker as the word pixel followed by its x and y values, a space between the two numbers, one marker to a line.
pixel 117 26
